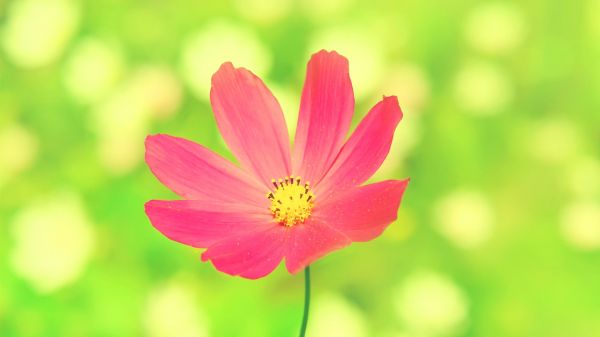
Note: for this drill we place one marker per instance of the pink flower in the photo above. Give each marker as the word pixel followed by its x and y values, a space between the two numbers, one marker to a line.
pixel 278 204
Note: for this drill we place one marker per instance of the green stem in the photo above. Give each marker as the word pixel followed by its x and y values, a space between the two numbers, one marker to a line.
pixel 306 300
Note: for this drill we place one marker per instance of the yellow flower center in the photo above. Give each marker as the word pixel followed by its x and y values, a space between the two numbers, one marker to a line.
pixel 291 201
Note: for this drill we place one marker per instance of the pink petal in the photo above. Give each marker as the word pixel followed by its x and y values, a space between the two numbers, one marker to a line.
pixel 252 254
pixel 366 149
pixel 251 122
pixel 364 212
pixel 202 223
pixel 311 240
pixel 326 111
pixel 194 172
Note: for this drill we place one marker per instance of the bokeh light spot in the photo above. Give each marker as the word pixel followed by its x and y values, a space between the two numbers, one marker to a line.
pixel 430 304
pixel 124 118
pixel 219 42
pixel 410 83
pixel 334 316
pixel 482 89
pixel 54 240
pixel 37 31
pixel 158 89
pixel 93 70
pixel 263 11
pixel 554 140
pixel 172 308
pixel 495 28
pixel 465 217
pixel 580 225
pixel 18 150
pixel 363 51
pixel 325 10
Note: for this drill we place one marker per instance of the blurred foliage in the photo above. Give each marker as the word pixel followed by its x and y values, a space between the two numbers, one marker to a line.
pixel 498 234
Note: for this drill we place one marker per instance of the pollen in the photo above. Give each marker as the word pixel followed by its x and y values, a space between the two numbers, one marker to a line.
pixel 291 201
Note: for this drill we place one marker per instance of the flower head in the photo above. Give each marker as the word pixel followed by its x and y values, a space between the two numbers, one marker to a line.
pixel 278 204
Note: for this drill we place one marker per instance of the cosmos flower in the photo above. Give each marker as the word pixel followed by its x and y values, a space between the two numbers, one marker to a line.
pixel 278 204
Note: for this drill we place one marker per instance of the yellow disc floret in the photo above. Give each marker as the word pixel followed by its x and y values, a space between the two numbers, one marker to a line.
pixel 291 201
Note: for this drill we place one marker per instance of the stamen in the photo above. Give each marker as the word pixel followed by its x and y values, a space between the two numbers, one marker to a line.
pixel 288 204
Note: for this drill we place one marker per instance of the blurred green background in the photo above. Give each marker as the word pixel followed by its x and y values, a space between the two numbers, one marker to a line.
pixel 499 231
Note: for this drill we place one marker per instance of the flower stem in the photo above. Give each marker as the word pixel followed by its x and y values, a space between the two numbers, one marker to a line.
pixel 306 300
